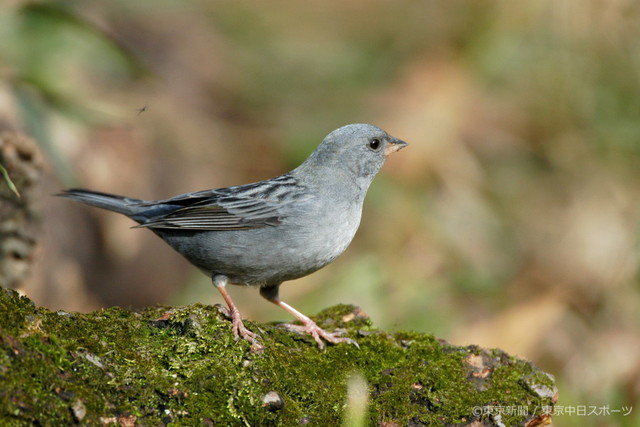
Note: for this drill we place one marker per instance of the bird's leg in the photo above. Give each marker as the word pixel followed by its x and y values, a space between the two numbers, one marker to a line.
pixel 239 330
pixel 308 325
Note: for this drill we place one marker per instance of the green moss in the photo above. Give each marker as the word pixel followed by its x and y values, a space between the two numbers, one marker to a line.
pixel 182 366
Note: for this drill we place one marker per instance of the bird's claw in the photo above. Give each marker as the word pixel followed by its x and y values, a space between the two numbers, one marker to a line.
pixel 319 334
pixel 238 328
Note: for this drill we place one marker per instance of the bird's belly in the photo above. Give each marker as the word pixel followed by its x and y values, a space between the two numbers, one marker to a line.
pixel 264 256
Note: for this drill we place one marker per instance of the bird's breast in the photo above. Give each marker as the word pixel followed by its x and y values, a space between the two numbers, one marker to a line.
pixel 329 231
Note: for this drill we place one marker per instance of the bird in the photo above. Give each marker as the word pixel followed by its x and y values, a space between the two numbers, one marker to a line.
pixel 265 233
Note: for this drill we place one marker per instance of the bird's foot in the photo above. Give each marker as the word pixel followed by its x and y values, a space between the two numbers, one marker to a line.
pixel 238 328
pixel 310 327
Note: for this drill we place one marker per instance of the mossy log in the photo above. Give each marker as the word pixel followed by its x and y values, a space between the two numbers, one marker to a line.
pixel 182 366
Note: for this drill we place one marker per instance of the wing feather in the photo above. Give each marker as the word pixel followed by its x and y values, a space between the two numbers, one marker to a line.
pixel 258 205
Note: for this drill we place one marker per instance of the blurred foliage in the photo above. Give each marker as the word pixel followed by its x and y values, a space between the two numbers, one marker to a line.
pixel 44 41
pixel 511 220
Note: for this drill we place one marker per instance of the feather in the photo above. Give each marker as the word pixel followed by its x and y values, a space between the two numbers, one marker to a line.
pixel 235 208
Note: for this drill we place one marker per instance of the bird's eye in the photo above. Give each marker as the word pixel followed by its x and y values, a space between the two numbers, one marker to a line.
pixel 374 144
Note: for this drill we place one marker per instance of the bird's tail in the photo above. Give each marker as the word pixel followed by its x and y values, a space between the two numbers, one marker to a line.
pixel 124 205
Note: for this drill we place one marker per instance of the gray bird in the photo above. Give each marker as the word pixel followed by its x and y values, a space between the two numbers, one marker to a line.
pixel 268 232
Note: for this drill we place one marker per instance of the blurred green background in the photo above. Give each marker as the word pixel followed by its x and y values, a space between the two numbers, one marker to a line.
pixel 512 219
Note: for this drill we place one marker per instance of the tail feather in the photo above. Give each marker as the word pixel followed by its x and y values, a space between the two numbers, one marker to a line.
pixel 124 205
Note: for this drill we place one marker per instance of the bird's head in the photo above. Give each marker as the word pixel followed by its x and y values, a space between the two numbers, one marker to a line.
pixel 357 151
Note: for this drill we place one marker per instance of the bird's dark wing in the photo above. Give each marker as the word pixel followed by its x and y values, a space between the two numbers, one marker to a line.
pixel 248 206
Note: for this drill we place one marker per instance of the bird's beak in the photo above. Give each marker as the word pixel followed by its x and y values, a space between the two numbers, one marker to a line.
pixel 394 145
